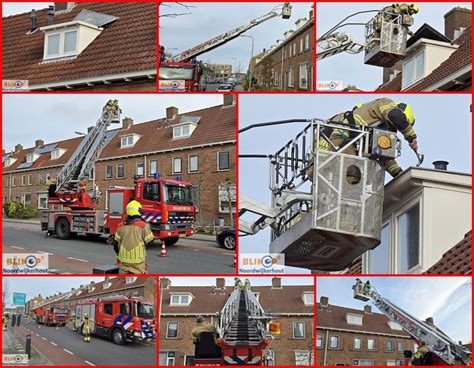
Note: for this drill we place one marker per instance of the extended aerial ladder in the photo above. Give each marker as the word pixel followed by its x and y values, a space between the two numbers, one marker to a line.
pixel 445 350
pixel 70 188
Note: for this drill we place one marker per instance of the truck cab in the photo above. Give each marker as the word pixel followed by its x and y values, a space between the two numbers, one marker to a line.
pixel 179 76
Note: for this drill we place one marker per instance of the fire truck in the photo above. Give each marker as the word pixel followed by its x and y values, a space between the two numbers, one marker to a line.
pixel 167 203
pixel 119 318
pixel 51 315
pixel 442 349
pixel 183 72
pixel 245 331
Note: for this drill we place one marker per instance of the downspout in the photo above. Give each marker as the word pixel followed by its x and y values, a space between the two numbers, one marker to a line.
pixel 282 79
pixel 326 348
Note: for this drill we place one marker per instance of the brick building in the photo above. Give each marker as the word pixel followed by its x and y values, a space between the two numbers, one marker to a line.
pixel 289 65
pixel 221 72
pixel 435 61
pixel 82 46
pixel 293 304
pixel 198 146
pixel 348 336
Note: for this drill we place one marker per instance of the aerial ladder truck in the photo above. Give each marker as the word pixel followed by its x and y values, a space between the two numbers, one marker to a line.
pixel 245 331
pixel 167 204
pixel 51 312
pixel 183 70
pixel 444 351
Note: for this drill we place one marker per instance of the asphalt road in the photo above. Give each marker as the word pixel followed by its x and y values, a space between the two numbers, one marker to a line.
pixel 80 255
pixel 99 351
pixel 213 87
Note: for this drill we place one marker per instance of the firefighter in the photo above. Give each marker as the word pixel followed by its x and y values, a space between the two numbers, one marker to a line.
pixel 383 113
pixel 131 239
pixel 237 283
pixel 203 326
pixel 366 288
pixel 247 284
pixel 86 328
pixel 74 323
pixel 4 321
pixel 420 353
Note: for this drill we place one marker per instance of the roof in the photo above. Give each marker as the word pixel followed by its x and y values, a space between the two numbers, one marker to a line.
pixel 426 31
pixel 216 125
pixel 287 299
pixel 334 317
pixel 457 260
pixel 126 45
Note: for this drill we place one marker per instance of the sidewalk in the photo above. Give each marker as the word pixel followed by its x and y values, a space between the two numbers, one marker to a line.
pixel 20 342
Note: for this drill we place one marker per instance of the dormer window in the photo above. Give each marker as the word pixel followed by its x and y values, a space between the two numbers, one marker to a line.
pixel 413 69
pixel 183 130
pixel 395 326
pixel 106 285
pixel 32 157
pixel 354 319
pixel 57 153
pixel 181 299
pixel 308 298
pixel 129 140
pixel 9 161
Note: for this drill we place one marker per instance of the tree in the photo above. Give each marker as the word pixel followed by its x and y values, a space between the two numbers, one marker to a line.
pixel 267 75
pixel 228 198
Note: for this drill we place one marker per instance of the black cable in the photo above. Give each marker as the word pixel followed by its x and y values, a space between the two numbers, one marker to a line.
pixel 255 156
pixel 278 122
pixel 342 21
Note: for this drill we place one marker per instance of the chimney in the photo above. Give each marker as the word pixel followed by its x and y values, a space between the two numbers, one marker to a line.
pixel 430 321
pixel 171 112
pixel 228 99
pixel 61 6
pixel 18 148
pixel 39 143
pixel 441 165
pixel 127 123
pixel 33 20
pixel 92 282
pixel 213 290
pixel 311 12
pixel 367 309
pixel 165 283
pixel 324 301
pixel 456 19
pixel 299 23
pixel 50 15
pixel 276 282
pixel 220 282
pixel 106 278
pixel 89 129
pixel 288 34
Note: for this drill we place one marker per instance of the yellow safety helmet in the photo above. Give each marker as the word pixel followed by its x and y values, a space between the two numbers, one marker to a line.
pixel 85 315
pixel 134 208
pixel 415 8
pixel 409 114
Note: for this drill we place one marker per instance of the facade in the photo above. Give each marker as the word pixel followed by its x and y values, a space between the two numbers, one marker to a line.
pixel 293 304
pixel 435 61
pixel 221 72
pixel 68 47
pixel 348 336
pixel 198 146
pixel 289 65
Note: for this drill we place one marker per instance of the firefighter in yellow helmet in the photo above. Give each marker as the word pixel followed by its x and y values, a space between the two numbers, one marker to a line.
pixel 205 327
pixel 131 239
pixel 383 113
pixel 4 321
pixel 86 328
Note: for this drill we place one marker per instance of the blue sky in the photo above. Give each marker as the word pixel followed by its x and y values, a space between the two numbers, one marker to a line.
pixel 229 281
pixel 350 69
pixel 10 8
pixel 208 20
pixel 446 299
pixel 444 133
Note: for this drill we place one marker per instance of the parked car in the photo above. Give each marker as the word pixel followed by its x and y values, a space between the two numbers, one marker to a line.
pixel 226 237
pixel 225 88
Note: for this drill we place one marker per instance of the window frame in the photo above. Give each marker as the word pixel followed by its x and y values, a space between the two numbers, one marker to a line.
pixel 356 338
pixel 180 303
pixel 151 165
pixel 396 220
pixel 180 165
pixel 107 177
pixel 140 164
pixel 413 77
pixel 197 164
pixel 168 329
pixel 118 171
pixel 319 337
pixel 295 323
pixel 39 196
pixel 338 338
pixel 373 345
pixel 219 161
pixel 387 344
pixel 305 65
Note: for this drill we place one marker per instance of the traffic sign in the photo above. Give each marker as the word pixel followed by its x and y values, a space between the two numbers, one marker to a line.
pixel 19 299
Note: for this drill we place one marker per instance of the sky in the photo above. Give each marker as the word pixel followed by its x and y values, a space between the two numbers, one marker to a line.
pixel 46 286
pixel 229 281
pixel 366 77
pixel 446 299
pixel 208 20
pixel 11 8
pixel 435 127
pixel 59 117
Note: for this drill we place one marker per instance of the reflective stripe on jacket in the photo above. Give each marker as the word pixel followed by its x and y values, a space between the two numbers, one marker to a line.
pixel 132 240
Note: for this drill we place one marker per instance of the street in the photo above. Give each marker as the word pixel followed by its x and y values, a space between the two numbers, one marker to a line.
pixel 80 255
pixel 213 87
pixel 63 346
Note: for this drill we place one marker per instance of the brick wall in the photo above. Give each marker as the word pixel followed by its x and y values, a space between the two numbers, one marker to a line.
pixel 455 19
pixel 346 354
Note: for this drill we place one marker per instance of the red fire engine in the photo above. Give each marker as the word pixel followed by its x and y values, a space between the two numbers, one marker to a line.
pixel 167 204
pixel 51 315
pixel 119 318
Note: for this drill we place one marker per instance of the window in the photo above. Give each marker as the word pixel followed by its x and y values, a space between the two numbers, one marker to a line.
pixel 319 341
pixel 108 308
pixel 291 77
pixel 53 44
pixel 70 41
pixel 167 358
pixel 180 299
pixel 153 167
pixel 308 299
pixel 301 45
pixel 30 179
pixel 400 347
pixel 334 342
pixel 151 192
pixel 379 258
pixel 306 42
pixel 31 157
pixel 55 154
pixel 419 65
pixel 13 181
pixel 413 69
pixel 124 308
pixel 120 171
pixel 176 165
pixel 42 201
pixel 269 357
pixel 395 326
pixel 183 130
pixel 357 343
pixel 227 197
pixel 129 140
pixel 294 49
pixel 223 161
pixel 370 344
pixel 193 163
pixel 109 172
pixel 363 362
pixel 389 346
pixel 140 170
pixel 172 330
pixel 189 360
pixel 353 319
pixel 304 357
pixel 304 76
pixel 23 180
pixel 298 330
pixel 408 240
pixel 9 161
pixel 26 199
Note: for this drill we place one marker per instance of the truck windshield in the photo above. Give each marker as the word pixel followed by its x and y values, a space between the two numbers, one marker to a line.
pixel 178 194
pixel 151 191
pixel 181 72
pixel 60 311
pixel 145 310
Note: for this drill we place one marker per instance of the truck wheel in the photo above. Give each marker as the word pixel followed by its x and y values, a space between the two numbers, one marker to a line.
pixel 62 229
pixel 171 241
pixel 118 337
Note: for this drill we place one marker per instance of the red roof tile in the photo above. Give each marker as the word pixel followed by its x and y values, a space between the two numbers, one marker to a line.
pixel 457 260
pixel 127 44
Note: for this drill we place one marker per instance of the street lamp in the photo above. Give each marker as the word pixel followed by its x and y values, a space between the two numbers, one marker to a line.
pixel 250 66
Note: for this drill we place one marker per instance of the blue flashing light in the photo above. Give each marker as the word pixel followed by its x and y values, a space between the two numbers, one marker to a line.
pixel 179 178
pixel 156 175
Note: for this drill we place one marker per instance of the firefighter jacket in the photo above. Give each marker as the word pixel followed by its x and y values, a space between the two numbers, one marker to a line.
pixel 203 327
pixel 132 237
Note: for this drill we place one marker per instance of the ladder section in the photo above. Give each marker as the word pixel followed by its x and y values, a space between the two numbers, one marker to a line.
pixel 337 43
pixel 243 330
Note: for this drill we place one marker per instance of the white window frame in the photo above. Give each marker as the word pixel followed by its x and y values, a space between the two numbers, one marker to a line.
pixel 363 360
pixel 168 327
pixel 391 346
pixel 44 196
pixel 400 343
pixel 291 76
pixel 120 177
pixel 301 45
pixel 373 345
pixel 355 319
pixel 219 160
pixel 389 245
pixel 294 48
pixel 169 359
pixel 305 65
pixel 318 338
pixel 180 303
pixel 395 222
pixel 23 199
pixel 29 179
pixel 62 43
pixel 180 165
pixel 413 79
pixel 151 167
pixel 306 42
pixel 125 140
pixel 295 323
pixel 197 164
pixel 338 341
pixel 107 171
pixel 56 153
pixel 356 338
pixel 308 298
pixel 142 164
pixel 31 157
pixel 23 180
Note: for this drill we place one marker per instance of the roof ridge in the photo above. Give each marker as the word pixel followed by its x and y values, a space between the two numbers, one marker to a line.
pixel 24 13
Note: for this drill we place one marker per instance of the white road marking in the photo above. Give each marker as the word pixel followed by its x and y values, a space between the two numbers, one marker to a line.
pixel 44 338
pixel 13 246
pixel 53 343
pixel 69 352
pixel 196 250
pixel 89 362
pixel 50 254
pixel 36 334
pixel 227 254
pixel 78 259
